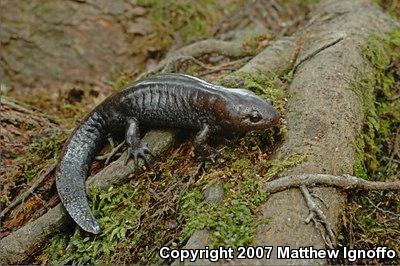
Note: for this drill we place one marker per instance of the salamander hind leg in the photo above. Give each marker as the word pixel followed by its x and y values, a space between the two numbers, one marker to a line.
pixel 136 147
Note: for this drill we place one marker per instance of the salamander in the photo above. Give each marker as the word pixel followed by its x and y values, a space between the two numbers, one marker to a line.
pixel 166 100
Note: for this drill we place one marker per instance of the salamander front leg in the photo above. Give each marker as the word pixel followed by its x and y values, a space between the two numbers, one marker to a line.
pixel 136 147
pixel 201 145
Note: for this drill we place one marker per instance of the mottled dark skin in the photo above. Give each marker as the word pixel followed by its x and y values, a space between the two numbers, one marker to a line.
pixel 171 100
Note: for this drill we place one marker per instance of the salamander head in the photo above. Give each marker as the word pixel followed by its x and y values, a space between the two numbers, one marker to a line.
pixel 246 112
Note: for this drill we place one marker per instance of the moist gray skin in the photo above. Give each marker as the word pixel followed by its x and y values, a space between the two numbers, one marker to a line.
pixel 167 100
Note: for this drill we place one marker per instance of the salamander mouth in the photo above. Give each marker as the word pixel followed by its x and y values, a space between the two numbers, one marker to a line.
pixel 275 121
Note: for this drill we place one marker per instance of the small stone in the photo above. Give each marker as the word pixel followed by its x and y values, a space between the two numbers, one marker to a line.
pixel 214 193
pixel 141 26
pixel 138 11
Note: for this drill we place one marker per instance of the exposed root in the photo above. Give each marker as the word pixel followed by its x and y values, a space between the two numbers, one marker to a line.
pixel 172 64
pixel 226 48
pixel 346 182
pixel 276 59
pixel 316 212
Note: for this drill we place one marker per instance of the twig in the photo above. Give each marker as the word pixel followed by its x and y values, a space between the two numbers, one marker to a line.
pixel 397 216
pixel 344 182
pixel 29 191
pixel 109 155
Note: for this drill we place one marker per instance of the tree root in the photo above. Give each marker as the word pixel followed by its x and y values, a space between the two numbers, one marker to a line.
pixel 346 182
pixel 191 51
pixel 316 214
pixel 231 65
pixel 276 59
pixel 226 48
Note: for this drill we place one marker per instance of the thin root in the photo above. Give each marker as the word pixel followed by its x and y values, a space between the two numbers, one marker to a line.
pixel 316 212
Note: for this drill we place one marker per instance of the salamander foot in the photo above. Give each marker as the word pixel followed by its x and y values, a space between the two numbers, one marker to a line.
pixel 214 155
pixel 141 151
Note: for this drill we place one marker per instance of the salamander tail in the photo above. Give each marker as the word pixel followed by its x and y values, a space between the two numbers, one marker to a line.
pixel 72 170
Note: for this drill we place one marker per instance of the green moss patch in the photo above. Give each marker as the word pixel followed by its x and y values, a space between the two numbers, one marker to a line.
pixel 268 87
pixel 118 212
pixel 377 144
pixel 372 219
pixel 41 150
pixel 232 222
pixel 278 166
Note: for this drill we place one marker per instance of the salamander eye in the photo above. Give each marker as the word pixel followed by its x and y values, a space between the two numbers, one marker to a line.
pixel 255 116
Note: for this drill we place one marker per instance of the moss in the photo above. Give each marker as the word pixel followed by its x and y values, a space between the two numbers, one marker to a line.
pixel 135 222
pixel 190 20
pixel 263 85
pixel 193 69
pixel 232 223
pixel 288 76
pixel 308 3
pixel 118 214
pixel 359 167
pixel 371 217
pixel 42 151
pixel 5 200
pixel 278 166
pixel 376 144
